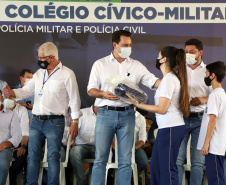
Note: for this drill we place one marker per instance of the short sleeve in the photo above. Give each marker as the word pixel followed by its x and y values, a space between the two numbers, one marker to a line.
pixel 213 104
pixel 168 86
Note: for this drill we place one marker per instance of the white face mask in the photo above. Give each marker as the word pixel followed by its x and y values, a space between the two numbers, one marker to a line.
pixel 8 103
pixel 125 52
pixel 190 59
pixel 26 81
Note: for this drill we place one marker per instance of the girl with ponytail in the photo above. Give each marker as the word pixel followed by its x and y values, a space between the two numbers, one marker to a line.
pixel 171 104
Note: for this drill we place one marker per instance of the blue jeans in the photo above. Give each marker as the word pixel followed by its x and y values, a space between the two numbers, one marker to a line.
pixel 62 159
pixel 193 125
pixel 141 159
pixel 108 123
pixel 53 131
pixel 5 159
pixel 163 168
pixel 77 154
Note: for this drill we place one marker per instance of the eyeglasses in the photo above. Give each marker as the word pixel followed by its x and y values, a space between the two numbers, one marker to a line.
pixel 41 58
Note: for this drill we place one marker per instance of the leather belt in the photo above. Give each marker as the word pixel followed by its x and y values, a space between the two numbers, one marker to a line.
pixel 47 117
pixel 118 108
pixel 195 114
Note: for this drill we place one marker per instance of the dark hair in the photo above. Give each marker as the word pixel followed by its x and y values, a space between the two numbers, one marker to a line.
pixel 218 68
pixel 22 73
pixel 177 63
pixel 195 42
pixel 117 35
pixel 0 92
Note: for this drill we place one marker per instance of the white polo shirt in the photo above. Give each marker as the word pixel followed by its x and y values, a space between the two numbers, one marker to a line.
pixel 107 67
pixel 197 86
pixel 216 105
pixel 169 88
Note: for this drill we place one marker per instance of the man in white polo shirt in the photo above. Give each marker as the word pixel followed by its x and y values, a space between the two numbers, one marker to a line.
pixel 198 93
pixel 114 115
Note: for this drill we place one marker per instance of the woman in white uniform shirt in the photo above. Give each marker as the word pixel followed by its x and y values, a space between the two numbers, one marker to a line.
pixel 171 104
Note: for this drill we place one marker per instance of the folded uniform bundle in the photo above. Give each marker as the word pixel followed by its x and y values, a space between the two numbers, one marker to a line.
pixel 121 90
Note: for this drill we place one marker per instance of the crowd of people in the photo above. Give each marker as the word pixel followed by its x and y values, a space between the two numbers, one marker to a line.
pixel 189 102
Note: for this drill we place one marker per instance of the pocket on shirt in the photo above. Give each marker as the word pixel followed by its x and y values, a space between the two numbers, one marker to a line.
pixel 54 86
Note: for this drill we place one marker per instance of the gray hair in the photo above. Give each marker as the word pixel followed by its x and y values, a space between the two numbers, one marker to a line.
pixel 50 49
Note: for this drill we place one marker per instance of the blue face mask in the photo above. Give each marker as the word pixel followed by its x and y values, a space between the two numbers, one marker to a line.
pixel 208 81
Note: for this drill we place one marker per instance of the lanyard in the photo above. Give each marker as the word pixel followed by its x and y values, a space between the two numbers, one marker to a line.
pixel 43 83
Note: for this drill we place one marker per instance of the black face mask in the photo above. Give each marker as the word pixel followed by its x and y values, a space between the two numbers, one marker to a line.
pixel 43 64
pixel 208 81
pixel 158 64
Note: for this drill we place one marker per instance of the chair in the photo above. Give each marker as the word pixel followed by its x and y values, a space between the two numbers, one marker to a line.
pixel 187 166
pixel 143 176
pixel 90 161
pixel 44 163
pixel 114 165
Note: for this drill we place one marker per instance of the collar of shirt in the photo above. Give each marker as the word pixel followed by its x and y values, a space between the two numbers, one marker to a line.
pixel 60 65
pixel 200 65
pixel 112 58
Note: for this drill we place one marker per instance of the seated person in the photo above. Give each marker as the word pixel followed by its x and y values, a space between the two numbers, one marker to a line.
pixel 10 136
pixel 84 148
pixel 20 153
pixel 25 76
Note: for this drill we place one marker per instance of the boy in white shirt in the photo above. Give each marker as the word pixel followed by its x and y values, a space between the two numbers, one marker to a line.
pixel 212 137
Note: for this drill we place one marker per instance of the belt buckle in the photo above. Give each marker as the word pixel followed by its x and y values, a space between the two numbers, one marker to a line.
pixel 115 108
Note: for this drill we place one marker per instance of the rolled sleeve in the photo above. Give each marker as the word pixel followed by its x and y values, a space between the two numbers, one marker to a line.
pixel 148 79
pixel 74 97
pixel 15 131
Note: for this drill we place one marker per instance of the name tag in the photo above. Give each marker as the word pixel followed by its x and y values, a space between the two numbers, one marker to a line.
pixel 40 92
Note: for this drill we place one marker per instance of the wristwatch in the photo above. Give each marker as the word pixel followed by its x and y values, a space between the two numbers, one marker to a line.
pixel 74 121
pixel 24 146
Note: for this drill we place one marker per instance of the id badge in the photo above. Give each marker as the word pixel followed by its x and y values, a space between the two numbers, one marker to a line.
pixel 41 92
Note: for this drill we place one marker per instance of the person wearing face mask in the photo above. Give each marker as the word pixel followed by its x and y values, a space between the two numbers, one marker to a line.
pixel 198 94
pixel 25 76
pixel 212 141
pixel 171 104
pixel 54 87
pixel 20 153
pixel 114 115
pixel 10 136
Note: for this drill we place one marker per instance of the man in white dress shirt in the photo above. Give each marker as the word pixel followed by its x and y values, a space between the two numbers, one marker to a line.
pixel 10 136
pixel 198 93
pixel 114 115
pixel 54 88
pixel 83 147
pixel 20 153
